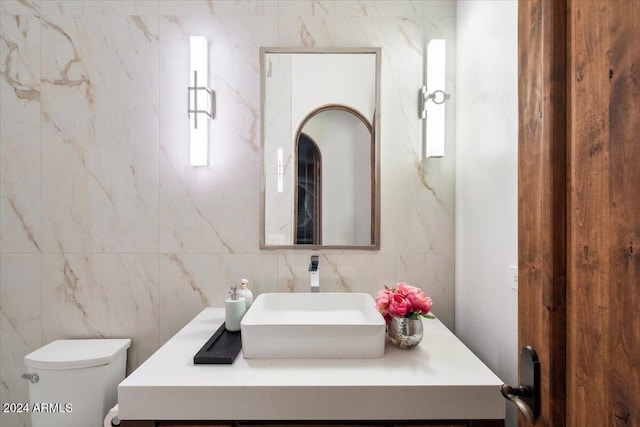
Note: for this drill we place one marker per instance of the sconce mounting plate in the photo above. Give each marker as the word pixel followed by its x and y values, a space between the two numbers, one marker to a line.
pixel 437 97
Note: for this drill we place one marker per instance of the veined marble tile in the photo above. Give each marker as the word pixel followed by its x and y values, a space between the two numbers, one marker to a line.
pixel 338 31
pixel 366 8
pixel 75 7
pixel 20 327
pixel 212 209
pixel 100 133
pixel 20 303
pixel 20 205
pixel 192 282
pixel 219 7
pixel 65 7
pixel 20 209
pixel 93 7
pixel 131 7
pixel 186 287
pixel 245 7
pixel 426 7
pixel 435 275
pixel 426 222
pixel 306 8
pixel 363 271
pixel 20 69
pixel 409 66
pixel 102 296
pixel 186 7
pixel 20 7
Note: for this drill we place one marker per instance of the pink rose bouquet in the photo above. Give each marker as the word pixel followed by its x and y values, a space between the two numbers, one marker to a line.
pixel 403 301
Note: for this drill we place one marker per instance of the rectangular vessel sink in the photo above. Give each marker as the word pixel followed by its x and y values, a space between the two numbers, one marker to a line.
pixel 313 325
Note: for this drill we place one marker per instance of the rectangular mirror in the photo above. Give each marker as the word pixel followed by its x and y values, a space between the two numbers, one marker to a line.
pixel 320 184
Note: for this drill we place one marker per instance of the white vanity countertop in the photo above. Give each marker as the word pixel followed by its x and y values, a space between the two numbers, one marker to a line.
pixel 439 379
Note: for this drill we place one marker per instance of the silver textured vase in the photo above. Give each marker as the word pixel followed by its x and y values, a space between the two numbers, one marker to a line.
pixel 404 332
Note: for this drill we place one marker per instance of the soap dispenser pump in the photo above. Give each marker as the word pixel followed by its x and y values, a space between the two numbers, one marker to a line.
pixel 246 293
pixel 234 308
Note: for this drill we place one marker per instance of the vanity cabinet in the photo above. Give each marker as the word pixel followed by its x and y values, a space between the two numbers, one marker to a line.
pixel 469 423
pixel 185 424
pixel 192 424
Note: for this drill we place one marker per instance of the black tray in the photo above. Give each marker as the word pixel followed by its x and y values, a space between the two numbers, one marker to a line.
pixel 222 348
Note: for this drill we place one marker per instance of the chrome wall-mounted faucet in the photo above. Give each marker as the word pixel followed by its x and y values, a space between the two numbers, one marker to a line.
pixel 314 273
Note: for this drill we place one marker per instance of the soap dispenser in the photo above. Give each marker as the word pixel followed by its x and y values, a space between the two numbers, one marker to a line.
pixel 234 308
pixel 246 293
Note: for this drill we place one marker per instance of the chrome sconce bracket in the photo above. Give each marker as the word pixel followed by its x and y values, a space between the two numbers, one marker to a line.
pixel 193 109
pixel 437 97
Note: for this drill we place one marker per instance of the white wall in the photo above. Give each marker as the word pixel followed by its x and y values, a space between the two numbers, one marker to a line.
pixel 486 184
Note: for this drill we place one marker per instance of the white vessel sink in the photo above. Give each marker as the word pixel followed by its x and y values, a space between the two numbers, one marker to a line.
pixel 313 325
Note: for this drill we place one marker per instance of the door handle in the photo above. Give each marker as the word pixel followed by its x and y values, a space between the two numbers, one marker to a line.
pixel 526 396
pixel 517 395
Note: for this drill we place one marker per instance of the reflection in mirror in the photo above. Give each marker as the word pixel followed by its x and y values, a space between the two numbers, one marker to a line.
pixel 309 192
pixel 320 165
pixel 342 216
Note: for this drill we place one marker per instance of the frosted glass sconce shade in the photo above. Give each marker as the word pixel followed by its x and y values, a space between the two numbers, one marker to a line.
pixel 434 112
pixel 201 101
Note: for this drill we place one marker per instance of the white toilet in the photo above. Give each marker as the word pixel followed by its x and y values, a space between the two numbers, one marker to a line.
pixel 73 383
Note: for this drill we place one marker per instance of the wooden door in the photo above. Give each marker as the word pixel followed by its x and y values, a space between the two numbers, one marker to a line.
pixel 603 292
pixel 541 196
pixel 579 207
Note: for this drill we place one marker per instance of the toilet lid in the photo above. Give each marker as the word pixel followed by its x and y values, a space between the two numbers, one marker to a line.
pixel 73 354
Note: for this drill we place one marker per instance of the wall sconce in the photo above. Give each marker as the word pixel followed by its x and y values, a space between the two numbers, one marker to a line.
pixel 200 101
pixel 280 171
pixel 434 91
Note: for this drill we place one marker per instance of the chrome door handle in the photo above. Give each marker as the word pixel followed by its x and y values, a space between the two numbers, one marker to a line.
pixel 527 396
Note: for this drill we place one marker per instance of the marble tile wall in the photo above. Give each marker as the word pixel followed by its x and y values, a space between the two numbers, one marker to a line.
pixel 105 229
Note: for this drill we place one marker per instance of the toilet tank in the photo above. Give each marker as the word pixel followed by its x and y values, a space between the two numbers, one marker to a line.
pixel 77 381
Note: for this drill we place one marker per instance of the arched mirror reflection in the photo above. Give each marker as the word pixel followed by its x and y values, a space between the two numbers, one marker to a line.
pixel 342 137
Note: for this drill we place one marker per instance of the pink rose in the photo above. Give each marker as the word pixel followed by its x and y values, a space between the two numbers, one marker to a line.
pixel 419 300
pixel 399 305
pixel 402 289
pixel 383 298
